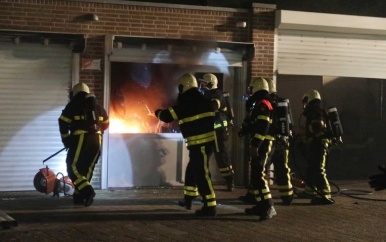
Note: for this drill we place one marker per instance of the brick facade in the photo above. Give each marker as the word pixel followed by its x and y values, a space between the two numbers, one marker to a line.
pixel 150 20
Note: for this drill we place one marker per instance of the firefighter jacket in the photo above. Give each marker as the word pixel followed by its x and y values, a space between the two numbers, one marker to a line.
pixel 315 120
pixel 258 121
pixel 219 105
pixel 195 117
pixel 73 119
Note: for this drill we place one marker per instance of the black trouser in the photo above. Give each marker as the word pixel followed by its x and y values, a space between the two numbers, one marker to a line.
pixel 316 168
pixel 222 155
pixel 197 174
pixel 82 157
pixel 259 186
pixel 279 158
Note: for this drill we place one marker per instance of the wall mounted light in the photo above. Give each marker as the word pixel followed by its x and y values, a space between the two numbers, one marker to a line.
pixel 90 17
pixel 241 24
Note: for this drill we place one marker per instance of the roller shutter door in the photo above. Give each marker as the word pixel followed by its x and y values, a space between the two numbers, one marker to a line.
pixel 34 81
pixel 331 54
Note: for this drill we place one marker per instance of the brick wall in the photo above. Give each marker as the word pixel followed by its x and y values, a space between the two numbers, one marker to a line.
pixel 125 18
pixel 263 34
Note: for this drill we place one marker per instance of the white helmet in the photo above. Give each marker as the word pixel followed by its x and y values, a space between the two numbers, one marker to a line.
pixel 258 84
pixel 272 86
pixel 211 81
pixel 311 95
pixel 80 87
pixel 186 82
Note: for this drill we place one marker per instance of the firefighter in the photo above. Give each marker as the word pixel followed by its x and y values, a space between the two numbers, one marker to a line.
pixel 282 123
pixel 258 125
pixel 81 124
pixel 223 120
pixel 318 141
pixel 195 116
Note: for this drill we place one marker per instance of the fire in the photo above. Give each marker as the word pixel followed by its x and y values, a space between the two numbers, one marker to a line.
pixel 121 126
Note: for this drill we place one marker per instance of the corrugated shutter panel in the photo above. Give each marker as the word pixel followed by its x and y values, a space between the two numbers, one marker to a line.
pixel 331 54
pixel 34 80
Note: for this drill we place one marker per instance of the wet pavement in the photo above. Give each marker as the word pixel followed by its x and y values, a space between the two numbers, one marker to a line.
pixel 152 214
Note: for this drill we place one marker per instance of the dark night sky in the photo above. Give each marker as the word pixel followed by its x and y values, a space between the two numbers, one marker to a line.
pixel 375 8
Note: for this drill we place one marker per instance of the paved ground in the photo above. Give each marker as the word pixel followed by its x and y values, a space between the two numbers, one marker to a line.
pixel 152 215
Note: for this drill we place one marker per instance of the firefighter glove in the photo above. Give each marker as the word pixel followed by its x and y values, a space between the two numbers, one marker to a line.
pixel 156 112
pixel 378 181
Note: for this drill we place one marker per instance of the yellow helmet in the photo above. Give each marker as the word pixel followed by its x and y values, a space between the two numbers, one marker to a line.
pixel 211 81
pixel 258 84
pixel 80 87
pixel 311 95
pixel 186 82
pixel 271 85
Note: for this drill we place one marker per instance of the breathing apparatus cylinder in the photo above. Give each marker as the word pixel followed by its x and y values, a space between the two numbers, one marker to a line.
pixel 230 114
pixel 283 117
pixel 335 124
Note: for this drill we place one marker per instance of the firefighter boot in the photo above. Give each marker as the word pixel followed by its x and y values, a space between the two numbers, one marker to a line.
pixel 230 183
pixel 187 202
pixel 206 211
pixel 322 201
pixel 287 200
pixel 89 195
pixel 264 210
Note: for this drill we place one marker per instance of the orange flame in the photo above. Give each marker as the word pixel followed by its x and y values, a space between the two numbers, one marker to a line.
pixel 120 126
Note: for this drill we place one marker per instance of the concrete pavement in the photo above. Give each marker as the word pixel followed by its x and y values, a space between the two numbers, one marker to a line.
pixel 152 214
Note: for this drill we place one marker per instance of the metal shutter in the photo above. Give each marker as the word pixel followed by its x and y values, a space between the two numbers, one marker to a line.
pixel 34 80
pixel 304 52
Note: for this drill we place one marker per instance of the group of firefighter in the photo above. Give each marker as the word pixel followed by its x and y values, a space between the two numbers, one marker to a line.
pixel 267 124
pixel 205 117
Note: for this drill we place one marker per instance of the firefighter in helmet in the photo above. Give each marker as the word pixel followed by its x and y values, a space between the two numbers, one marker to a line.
pixel 317 186
pixel 223 121
pixel 258 125
pixel 282 123
pixel 195 116
pixel 81 124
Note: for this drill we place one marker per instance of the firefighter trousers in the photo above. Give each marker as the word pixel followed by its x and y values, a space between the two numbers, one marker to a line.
pixel 222 156
pixel 316 168
pixel 279 159
pixel 259 186
pixel 81 159
pixel 197 175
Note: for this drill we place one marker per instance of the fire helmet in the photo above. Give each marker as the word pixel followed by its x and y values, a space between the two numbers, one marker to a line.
pixel 80 87
pixel 186 82
pixel 258 84
pixel 211 80
pixel 310 95
pixel 272 86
